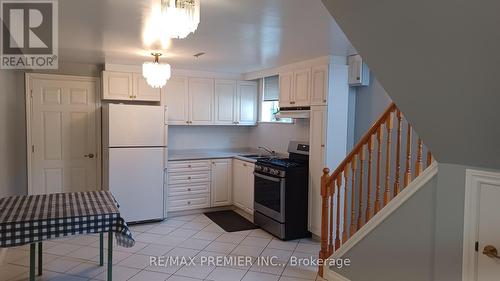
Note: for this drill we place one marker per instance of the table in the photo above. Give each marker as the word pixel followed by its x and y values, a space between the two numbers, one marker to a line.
pixel 32 219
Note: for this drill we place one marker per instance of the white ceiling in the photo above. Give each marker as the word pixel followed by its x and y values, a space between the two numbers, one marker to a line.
pixel 238 36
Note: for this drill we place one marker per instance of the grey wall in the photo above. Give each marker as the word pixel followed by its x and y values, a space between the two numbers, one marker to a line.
pixel 450 199
pixel 13 167
pixel 12 134
pixel 401 247
pixel 438 60
pixel 371 101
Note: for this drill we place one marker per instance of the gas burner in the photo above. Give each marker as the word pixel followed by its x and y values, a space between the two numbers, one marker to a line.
pixel 281 162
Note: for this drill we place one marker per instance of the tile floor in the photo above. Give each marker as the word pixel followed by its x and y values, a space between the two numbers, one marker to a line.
pixel 76 258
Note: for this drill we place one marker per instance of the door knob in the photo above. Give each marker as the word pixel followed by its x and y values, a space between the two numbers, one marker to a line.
pixel 491 252
pixel 89 155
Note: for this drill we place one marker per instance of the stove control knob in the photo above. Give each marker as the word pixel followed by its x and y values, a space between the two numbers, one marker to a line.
pixel 266 169
pixel 275 172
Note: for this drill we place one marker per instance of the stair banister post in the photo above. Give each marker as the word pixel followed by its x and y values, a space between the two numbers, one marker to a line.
pixel 360 194
pixel 345 234
pixel 369 183
pixel 353 193
pixel 379 163
pixel 398 154
pixel 337 230
pixel 324 217
pixel 389 127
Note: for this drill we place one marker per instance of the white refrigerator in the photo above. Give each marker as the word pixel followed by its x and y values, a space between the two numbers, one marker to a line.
pixel 135 159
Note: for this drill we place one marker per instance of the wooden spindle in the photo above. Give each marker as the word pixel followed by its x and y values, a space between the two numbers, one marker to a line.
pixel 323 253
pixel 379 163
pixel 418 164
pixel 361 174
pixel 331 194
pixel 398 153
pixel 389 126
pixel 369 181
pixel 345 234
pixel 337 230
pixel 353 190
pixel 429 158
pixel 408 157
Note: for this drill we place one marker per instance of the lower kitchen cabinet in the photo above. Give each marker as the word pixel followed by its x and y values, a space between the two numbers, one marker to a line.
pixel 243 185
pixel 221 186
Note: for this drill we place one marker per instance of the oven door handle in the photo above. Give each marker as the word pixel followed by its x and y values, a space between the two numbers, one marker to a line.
pixel 267 177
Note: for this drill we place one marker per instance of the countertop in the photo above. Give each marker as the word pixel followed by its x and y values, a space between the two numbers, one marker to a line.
pixel 199 154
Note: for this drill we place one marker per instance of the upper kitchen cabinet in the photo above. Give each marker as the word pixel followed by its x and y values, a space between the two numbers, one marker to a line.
pixel 295 88
pixel 286 89
pixel 246 111
pixel 201 101
pixel 175 97
pixel 127 86
pixel 142 91
pixel 319 87
pixel 301 87
pixel 225 102
pixel 117 85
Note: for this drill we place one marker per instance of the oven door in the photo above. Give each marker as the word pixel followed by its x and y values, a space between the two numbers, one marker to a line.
pixel 270 196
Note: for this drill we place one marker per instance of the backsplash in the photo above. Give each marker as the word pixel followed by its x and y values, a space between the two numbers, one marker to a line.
pixel 274 136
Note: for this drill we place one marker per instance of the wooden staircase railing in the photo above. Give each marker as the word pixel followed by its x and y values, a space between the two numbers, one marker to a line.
pixel 347 202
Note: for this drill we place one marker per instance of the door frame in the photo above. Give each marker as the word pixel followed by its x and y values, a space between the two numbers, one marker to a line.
pixel 474 179
pixel 29 108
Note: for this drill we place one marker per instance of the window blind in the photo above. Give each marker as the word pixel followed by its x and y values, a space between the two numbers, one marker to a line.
pixel 271 88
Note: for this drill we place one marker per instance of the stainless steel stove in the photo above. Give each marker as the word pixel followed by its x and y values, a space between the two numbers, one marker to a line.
pixel 281 191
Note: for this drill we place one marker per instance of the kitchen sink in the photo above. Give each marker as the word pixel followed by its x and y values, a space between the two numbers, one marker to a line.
pixel 256 156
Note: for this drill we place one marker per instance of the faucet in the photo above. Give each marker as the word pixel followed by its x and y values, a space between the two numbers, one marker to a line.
pixel 272 152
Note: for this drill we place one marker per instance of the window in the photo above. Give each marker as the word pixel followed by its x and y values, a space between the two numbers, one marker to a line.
pixel 270 101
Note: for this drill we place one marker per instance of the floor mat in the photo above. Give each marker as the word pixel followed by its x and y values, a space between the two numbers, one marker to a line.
pixel 231 221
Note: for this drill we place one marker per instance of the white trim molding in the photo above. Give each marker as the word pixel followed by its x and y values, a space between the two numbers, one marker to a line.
pixel 29 77
pixel 473 181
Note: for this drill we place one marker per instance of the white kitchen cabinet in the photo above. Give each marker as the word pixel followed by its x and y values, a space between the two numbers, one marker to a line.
pixel 127 86
pixel 243 185
pixel 301 94
pixel 286 89
pixel 175 96
pixel 201 101
pixel 142 91
pixel 221 187
pixel 295 88
pixel 189 185
pixel 117 85
pixel 319 85
pixel 317 142
pixel 225 102
pixel 247 109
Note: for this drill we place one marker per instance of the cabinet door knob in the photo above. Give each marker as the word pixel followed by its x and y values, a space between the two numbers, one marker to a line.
pixel 189 189
pixel 189 166
pixel 189 202
pixel 322 145
pixel 324 100
pixel 189 178
pixel 292 102
pixel 89 155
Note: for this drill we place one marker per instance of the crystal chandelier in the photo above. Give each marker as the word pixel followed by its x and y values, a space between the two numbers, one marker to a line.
pixel 156 73
pixel 180 17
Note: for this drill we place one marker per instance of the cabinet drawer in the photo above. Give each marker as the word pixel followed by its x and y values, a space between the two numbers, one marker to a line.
pixel 188 166
pixel 188 178
pixel 188 202
pixel 174 190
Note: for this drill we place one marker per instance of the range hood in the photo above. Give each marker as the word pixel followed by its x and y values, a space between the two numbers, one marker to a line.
pixel 294 112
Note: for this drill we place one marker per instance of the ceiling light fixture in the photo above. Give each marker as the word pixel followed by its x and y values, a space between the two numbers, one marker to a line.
pixel 180 17
pixel 156 73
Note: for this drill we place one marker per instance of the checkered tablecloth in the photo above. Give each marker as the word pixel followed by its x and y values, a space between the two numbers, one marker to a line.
pixel 35 218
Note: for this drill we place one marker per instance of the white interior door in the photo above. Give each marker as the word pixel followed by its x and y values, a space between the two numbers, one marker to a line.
pixel 63 132
pixel 489 233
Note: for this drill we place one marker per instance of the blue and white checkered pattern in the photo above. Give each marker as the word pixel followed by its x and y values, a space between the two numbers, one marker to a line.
pixel 35 218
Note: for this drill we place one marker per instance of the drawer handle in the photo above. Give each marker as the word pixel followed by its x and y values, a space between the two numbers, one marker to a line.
pixel 189 166
pixel 189 178
pixel 189 202
pixel 189 189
